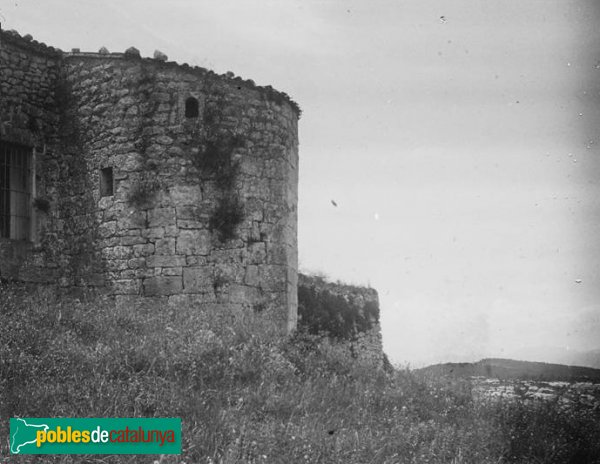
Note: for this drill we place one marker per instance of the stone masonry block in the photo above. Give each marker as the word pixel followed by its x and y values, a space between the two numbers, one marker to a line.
pixel 165 246
pixel 197 280
pixel 185 194
pixel 193 242
pixel 117 252
pixel 155 232
pixel 143 250
pixel 189 212
pixel 132 220
pixel 242 294
pixel 273 278
pixel 125 287
pixel 192 224
pixel 107 229
pixel 162 285
pixel 165 261
pixel 136 263
pixel 161 217
pixel 256 253
pixel 251 277
pixel 276 253
pixel 172 271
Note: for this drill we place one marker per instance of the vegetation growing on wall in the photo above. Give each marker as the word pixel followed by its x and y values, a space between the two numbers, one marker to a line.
pixel 226 217
pixel 216 159
pixel 321 311
pixel 144 190
pixel 41 204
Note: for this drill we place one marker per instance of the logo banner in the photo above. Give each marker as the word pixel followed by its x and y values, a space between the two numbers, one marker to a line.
pixel 95 436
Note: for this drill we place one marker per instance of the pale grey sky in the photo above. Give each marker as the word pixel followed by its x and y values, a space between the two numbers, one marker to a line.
pixel 458 137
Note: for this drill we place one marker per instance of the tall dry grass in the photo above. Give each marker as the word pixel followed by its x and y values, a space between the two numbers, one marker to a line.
pixel 247 395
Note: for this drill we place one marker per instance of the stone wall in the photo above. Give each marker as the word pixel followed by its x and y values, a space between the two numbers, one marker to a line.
pixel 29 117
pixel 203 174
pixel 29 70
pixel 345 312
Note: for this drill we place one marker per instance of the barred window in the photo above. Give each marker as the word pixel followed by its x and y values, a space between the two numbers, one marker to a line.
pixel 15 191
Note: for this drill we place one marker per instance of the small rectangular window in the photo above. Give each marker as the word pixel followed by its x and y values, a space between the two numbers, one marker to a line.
pixel 15 191
pixel 191 108
pixel 106 182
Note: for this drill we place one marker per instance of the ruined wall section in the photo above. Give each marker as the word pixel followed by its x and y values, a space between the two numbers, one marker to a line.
pixel 204 206
pixel 29 117
pixel 345 312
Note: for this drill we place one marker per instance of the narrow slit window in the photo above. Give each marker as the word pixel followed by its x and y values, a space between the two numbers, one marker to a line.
pixel 191 108
pixel 106 182
pixel 15 191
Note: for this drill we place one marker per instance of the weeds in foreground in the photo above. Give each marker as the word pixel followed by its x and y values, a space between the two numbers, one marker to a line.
pixel 247 395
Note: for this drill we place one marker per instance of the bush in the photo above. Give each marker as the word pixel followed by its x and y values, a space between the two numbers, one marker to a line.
pixel 323 311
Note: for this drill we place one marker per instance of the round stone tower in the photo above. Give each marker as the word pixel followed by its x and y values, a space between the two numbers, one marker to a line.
pixel 189 183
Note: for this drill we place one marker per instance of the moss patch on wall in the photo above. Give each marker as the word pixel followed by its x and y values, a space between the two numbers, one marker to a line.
pixel 143 192
pixel 216 159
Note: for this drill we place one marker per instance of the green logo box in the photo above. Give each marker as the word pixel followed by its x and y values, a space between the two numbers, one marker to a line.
pixel 95 436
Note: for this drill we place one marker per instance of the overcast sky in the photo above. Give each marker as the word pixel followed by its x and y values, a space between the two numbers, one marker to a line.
pixel 458 138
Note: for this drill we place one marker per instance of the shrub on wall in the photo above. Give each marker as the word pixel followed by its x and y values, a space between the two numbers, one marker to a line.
pixel 321 311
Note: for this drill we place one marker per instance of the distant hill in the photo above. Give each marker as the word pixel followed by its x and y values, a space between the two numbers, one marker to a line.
pixel 559 355
pixel 515 370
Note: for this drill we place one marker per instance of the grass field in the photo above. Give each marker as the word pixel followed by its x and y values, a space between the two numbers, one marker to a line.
pixel 246 395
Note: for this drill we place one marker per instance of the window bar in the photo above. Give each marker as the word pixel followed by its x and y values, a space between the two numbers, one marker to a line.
pixel 4 193
pixel 15 192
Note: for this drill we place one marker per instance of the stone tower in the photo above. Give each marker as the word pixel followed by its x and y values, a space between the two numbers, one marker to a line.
pixel 147 178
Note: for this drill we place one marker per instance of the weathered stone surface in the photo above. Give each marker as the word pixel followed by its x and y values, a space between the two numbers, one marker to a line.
pixel 162 286
pixel 165 261
pixel 160 56
pixel 172 271
pixel 161 217
pixel 256 253
pixel 165 246
pixel 197 280
pixel 251 277
pixel 143 250
pixel 153 233
pixel 185 195
pixel 132 51
pixel 126 287
pixel 193 242
pixel 107 229
pixel 132 220
pixel 117 252
pixel 272 277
